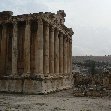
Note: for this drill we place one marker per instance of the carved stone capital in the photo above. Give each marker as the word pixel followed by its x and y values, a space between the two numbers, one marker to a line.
pixel 61 33
pixel 46 24
pixel 40 21
pixel 15 23
pixel 4 25
pixel 28 22
pixel 70 40
pixel 56 30
pixel 51 28
pixel 65 37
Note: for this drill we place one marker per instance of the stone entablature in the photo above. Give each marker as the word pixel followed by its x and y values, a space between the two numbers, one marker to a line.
pixel 56 20
pixel 35 52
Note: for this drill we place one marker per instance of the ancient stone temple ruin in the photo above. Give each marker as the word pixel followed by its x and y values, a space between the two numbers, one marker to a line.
pixel 35 52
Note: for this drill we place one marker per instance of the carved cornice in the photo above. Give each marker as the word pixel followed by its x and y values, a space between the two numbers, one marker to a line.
pixel 50 18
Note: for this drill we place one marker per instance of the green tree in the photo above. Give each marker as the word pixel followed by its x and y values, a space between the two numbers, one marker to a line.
pixel 93 67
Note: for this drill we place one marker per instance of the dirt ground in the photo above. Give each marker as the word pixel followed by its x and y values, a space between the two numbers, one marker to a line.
pixel 60 101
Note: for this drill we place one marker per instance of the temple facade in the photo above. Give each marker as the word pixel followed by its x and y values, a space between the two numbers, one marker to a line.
pixel 35 53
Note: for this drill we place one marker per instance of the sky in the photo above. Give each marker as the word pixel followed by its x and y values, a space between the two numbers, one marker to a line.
pixel 89 19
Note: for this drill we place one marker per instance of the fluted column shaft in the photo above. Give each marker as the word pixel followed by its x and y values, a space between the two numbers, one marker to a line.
pixel 65 54
pixel 68 56
pixel 56 51
pixel 71 56
pixel 3 50
pixel 61 52
pixel 14 49
pixel 39 48
pixel 51 50
pixel 46 48
pixel 0 38
pixel 27 49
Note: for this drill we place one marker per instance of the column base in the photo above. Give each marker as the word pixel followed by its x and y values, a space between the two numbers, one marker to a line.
pixel 34 85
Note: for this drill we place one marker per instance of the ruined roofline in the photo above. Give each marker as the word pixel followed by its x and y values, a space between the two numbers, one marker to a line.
pixel 56 20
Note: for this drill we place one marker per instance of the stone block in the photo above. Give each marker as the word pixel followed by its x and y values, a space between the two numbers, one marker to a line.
pixel 49 86
pixel 79 94
pixel 61 84
pixel 53 85
pixel 32 86
pixel 4 85
pixel 18 85
pixel 15 86
pixel 44 86
pixel 11 86
pixel 64 83
pixel 57 84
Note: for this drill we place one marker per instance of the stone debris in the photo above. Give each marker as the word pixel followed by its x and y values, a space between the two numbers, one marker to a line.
pixel 91 90
pixel 92 85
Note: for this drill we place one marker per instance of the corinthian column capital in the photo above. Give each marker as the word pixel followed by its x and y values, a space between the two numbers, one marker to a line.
pixel 28 22
pixel 51 29
pixel 40 21
pixel 46 24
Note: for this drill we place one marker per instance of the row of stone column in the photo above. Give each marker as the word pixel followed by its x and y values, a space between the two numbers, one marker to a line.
pixel 52 50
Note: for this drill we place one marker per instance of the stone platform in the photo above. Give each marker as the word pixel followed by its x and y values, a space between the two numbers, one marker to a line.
pixel 34 85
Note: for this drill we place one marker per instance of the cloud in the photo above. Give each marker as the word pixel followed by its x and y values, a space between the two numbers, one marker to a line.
pixel 23 6
pixel 90 20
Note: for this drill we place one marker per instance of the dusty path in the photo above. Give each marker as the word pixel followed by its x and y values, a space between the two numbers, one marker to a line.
pixel 60 101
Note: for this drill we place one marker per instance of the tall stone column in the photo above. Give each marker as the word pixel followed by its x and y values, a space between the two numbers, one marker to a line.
pixel 0 38
pixel 65 54
pixel 46 48
pixel 14 49
pixel 68 56
pixel 56 51
pixel 61 53
pixel 27 49
pixel 51 50
pixel 71 55
pixel 39 48
pixel 3 50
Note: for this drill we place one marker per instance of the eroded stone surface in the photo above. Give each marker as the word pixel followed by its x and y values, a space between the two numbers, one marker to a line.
pixel 35 52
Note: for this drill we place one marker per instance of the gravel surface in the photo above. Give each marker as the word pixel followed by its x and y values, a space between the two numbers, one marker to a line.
pixel 60 101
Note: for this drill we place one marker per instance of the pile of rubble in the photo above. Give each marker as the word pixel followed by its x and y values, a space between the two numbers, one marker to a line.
pixel 90 90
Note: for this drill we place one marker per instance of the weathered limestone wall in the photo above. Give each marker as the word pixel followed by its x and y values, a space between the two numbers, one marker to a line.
pixel 34 85
pixel 35 53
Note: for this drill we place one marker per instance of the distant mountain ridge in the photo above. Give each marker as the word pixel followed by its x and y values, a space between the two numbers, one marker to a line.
pixel 95 58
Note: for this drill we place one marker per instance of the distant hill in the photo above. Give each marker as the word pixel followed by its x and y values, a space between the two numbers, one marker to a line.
pixel 76 59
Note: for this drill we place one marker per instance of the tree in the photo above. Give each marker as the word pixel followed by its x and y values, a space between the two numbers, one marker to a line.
pixel 92 66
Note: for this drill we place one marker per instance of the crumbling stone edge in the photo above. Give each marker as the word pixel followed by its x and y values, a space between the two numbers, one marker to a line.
pixel 34 85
